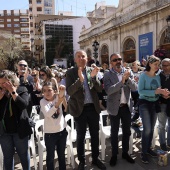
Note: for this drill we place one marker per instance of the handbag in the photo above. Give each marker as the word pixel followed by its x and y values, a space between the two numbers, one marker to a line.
pixel 2 122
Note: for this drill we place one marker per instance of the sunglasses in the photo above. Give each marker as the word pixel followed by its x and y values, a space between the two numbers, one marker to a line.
pixel 33 75
pixel 116 59
pixel 42 75
pixel 22 65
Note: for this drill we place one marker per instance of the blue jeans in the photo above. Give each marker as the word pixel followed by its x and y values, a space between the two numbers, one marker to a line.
pixel 148 114
pixel 162 117
pixel 56 141
pixel 8 143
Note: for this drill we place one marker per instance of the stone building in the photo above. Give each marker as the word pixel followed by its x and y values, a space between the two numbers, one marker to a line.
pixel 135 30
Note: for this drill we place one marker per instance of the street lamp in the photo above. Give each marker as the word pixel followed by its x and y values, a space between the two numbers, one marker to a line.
pixel 95 48
pixel 168 29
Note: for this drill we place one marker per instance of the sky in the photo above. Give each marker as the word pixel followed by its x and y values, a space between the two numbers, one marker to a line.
pixel 78 7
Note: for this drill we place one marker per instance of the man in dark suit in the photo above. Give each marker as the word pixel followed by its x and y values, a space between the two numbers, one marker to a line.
pixel 82 85
pixel 118 83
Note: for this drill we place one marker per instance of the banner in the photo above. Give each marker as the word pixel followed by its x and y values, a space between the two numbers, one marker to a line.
pixel 145 45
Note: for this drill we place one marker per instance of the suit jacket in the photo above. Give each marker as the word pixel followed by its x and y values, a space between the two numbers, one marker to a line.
pixel 75 90
pixel 113 87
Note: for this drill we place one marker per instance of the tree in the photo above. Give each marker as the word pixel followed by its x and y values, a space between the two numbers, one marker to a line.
pixel 11 52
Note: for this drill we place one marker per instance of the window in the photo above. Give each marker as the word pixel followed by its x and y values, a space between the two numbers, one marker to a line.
pixel 48 3
pixel 8 25
pixel 39 9
pixel 38 1
pixel 24 29
pixel 30 1
pixel 48 11
pixel 9 12
pixel 24 25
pixel 1 20
pixel 30 9
pixel 24 20
pixel 16 25
pixel 16 30
pixel 16 19
pixel 1 25
pixel 8 20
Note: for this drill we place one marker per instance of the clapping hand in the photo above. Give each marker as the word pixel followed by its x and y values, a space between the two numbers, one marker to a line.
pixel 62 89
pixel 80 74
pixel 166 93
pixel 94 71
pixel 126 75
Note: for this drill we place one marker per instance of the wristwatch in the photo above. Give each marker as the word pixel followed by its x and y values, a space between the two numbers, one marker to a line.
pixel 13 92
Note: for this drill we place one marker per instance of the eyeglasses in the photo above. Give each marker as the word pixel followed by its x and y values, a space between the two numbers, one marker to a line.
pixel 116 59
pixel 22 65
pixel 42 75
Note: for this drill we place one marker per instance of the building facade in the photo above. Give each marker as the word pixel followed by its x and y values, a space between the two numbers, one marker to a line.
pixel 61 38
pixel 135 30
pixel 16 23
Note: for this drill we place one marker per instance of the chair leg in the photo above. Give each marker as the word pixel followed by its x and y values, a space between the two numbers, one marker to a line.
pixel 87 144
pixel 131 142
pixel 40 158
pixel 155 134
pixel 34 155
pixel 103 146
pixel 68 154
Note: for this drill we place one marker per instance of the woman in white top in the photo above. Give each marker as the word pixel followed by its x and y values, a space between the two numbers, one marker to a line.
pixel 54 125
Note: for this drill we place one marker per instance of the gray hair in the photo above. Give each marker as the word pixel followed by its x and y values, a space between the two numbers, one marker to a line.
pixel 11 76
pixel 166 60
pixel 81 51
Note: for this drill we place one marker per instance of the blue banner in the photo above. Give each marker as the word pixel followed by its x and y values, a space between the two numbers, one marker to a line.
pixel 145 45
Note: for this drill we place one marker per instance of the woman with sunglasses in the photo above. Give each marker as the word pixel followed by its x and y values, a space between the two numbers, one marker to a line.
pixel 14 100
pixel 149 91
pixel 46 75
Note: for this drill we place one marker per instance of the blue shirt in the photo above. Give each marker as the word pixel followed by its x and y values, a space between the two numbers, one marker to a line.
pixel 88 97
pixel 147 86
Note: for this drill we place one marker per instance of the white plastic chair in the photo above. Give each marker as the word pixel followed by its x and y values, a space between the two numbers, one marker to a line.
pixel 31 146
pixel 41 143
pixel 74 133
pixel 105 132
pixel 1 159
pixel 42 147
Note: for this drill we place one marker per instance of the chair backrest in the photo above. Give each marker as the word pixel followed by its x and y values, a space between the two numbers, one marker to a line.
pixel 39 128
pixel 103 113
pixel 70 121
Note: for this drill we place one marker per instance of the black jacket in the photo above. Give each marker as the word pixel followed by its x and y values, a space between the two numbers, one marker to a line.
pixel 18 107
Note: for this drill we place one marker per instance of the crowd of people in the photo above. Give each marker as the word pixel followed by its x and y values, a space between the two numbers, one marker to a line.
pixel 83 91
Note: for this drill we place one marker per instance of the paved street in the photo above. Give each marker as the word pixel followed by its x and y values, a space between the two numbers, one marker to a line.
pixel 121 164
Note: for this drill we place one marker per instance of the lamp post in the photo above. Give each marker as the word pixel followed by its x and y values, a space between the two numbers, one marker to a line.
pixel 168 29
pixel 95 48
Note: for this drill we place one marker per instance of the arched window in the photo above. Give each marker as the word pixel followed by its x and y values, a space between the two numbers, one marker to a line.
pixel 104 50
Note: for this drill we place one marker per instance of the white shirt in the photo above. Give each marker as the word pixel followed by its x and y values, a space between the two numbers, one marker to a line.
pixel 52 125
pixel 122 98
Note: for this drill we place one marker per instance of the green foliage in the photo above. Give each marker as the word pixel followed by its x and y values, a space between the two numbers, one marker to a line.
pixel 11 52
